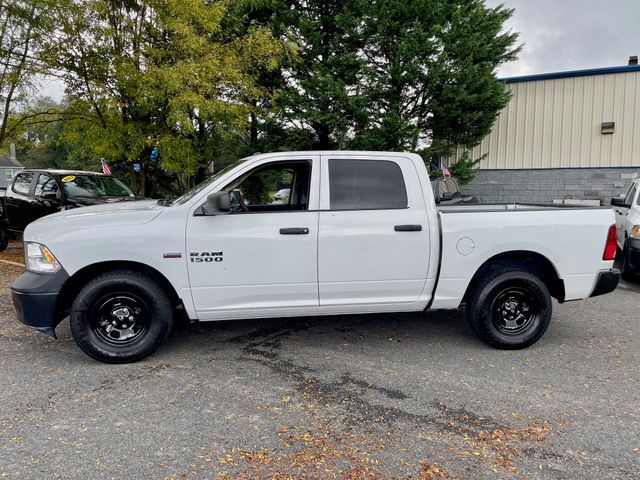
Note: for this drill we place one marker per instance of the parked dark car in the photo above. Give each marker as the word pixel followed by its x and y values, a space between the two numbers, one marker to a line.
pixel 36 193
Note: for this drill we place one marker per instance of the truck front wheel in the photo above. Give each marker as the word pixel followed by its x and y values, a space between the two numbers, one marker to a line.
pixel 121 316
pixel 509 308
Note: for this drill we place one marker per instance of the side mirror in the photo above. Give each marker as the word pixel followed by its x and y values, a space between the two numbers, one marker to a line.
pixel 217 203
pixel 619 202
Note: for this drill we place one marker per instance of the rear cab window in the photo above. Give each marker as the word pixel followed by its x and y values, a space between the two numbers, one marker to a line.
pixel 356 184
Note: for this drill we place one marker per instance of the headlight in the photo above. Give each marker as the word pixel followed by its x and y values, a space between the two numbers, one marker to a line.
pixel 635 231
pixel 39 259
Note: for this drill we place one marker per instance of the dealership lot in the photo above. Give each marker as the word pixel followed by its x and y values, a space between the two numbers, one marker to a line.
pixel 378 396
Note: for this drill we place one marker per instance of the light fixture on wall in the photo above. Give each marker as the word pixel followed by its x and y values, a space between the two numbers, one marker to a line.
pixel 608 128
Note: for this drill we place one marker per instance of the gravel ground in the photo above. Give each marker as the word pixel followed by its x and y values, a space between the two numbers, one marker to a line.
pixel 376 396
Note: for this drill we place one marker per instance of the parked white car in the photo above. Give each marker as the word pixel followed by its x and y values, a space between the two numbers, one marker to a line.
pixel 627 212
pixel 360 234
pixel 282 194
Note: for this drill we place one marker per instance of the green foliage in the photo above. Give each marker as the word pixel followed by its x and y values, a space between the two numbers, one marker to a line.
pixel 431 74
pixel 158 73
pixel 24 30
pixel 208 81
pixel 465 168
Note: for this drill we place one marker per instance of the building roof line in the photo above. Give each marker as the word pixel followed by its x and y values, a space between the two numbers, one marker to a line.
pixel 7 162
pixel 572 73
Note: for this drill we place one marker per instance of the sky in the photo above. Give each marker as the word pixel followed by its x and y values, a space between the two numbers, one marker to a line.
pixel 561 35
pixel 558 35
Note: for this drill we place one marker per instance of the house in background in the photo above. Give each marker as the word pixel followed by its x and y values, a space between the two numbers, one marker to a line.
pixel 8 169
pixel 566 135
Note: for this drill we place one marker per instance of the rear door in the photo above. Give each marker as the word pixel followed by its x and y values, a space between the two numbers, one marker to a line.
pixel 373 245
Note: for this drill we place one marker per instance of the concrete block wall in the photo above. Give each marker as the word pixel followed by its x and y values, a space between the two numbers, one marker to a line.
pixel 547 185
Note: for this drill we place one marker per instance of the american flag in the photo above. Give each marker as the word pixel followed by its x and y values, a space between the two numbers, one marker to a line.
pixel 445 170
pixel 105 168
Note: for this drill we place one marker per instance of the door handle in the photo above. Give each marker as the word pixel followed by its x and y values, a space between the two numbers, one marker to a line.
pixel 294 231
pixel 408 228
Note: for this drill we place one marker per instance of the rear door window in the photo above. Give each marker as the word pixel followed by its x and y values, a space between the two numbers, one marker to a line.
pixel 23 183
pixel 366 185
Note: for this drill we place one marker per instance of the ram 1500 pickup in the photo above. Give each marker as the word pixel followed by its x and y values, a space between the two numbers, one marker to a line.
pixel 358 232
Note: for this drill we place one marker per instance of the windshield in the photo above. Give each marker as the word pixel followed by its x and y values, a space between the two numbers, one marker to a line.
pixel 201 186
pixel 94 186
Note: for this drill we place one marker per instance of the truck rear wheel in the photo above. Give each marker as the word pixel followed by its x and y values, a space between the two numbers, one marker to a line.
pixel 509 308
pixel 121 317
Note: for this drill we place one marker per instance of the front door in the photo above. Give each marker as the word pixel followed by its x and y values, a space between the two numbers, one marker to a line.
pixel 374 238
pixel 263 255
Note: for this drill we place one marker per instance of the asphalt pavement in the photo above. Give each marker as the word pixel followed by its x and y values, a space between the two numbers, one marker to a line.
pixel 374 396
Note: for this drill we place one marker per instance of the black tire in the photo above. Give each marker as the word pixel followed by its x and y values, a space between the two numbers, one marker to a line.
pixel 4 239
pixel 509 308
pixel 121 316
pixel 625 269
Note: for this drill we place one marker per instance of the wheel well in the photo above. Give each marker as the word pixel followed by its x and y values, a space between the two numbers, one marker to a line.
pixel 532 262
pixel 75 283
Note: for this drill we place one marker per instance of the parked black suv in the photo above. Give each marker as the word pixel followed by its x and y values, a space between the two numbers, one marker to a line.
pixel 36 193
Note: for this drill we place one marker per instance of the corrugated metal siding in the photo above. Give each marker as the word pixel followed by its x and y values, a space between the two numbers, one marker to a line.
pixel 557 124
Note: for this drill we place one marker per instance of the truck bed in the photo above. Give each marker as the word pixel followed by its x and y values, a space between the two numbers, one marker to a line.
pixel 571 237
pixel 497 207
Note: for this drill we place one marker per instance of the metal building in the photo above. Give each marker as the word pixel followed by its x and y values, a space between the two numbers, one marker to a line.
pixel 563 135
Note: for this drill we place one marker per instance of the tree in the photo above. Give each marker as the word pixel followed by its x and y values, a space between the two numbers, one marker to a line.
pixel 431 74
pixel 389 74
pixel 159 74
pixel 23 26
pixel 318 101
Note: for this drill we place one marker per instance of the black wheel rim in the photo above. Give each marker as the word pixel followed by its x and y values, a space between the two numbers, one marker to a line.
pixel 120 319
pixel 514 310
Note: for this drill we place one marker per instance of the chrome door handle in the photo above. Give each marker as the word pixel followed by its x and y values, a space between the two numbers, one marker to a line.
pixel 294 231
pixel 408 228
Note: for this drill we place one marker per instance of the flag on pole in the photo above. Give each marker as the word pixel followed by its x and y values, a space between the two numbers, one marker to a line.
pixel 105 168
pixel 445 170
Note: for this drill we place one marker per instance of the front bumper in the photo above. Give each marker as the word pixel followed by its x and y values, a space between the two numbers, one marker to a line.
pixel 35 297
pixel 607 282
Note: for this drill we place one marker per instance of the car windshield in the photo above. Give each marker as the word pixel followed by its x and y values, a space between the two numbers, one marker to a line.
pixel 201 186
pixel 94 186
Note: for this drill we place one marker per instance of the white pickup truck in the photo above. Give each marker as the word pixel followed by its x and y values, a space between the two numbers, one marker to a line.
pixel 358 232
pixel 627 212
